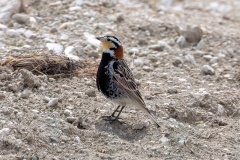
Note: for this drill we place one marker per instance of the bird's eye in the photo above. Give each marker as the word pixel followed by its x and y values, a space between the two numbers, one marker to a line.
pixel 108 40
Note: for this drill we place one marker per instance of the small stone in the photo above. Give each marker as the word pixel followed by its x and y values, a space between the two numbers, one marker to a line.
pixel 2 96
pixel 181 142
pixel 21 18
pixel 172 91
pixel 147 69
pixel 4 132
pixel 207 57
pixel 137 126
pixel 3 27
pixel 181 41
pixel 12 33
pixel 208 70
pixel 77 139
pixel 156 47
pixel 213 60
pixel 191 59
pixel 220 110
pixel 133 50
pixel 57 48
pixel 46 99
pixel 164 140
pixel 25 94
pixel 53 139
pixel 94 54
pixel 201 44
pixel 148 97
pixel 177 62
pixel 91 93
pixel 138 62
pixel 67 112
pixel 53 102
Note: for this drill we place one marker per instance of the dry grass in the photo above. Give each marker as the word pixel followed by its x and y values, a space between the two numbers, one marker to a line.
pixel 51 64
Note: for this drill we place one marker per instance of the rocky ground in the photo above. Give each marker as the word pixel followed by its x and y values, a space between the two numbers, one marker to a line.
pixel 189 78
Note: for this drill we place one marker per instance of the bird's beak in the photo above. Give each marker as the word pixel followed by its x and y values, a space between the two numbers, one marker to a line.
pixel 99 38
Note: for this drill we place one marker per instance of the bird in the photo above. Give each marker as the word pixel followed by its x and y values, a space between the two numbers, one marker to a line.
pixel 115 80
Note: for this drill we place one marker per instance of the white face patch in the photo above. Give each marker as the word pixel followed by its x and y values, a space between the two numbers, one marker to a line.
pixel 115 41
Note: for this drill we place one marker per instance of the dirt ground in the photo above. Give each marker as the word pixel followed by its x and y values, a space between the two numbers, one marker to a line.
pixel 199 113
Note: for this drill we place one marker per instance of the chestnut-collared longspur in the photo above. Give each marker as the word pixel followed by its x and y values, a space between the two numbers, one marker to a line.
pixel 115 79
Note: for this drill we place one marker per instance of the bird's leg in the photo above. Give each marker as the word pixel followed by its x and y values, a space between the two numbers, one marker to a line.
pixel 116 110
pixel 119 112
pixel 112 118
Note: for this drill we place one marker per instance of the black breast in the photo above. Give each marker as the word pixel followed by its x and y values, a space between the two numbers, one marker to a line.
pixel 103 78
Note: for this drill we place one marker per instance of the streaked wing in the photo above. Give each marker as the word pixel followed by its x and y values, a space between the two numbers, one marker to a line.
pixel 124 78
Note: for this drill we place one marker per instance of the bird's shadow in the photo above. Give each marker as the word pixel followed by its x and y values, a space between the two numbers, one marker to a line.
pixel 122 130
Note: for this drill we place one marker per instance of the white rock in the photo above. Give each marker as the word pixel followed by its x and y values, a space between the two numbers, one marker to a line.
pixel 164 139
pixel 21 18
pixel 25 94
pixel 12 33
pixel 133 50
pixel 3 27
pixel 207 57
pixel 181 142
pixel 68 52
pixel 77 139
pixel 138 62
pixel 8 8
pixel 91 39
pixel 137 126
pixel 29 34
pixel 57 48
pixel 213 60
pixel 4 132
pixel 178 62
pixel 66 25
pixel 53 102
pixel 206 69
pixel 201 44
pixel 190 58
pixel 181 41
pixel 64 37
pixel 221 110
pixel 67 112
pixel 46 99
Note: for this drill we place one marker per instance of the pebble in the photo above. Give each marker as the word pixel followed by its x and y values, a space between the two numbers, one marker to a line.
pixel 67 112
pixel 164 140
pixel 8 8
pixel 70 51
pixel 57 48
pixel 46 99
pixel 221 110
pixel 53 102
pixel 137 126
pixel 3 27
pixel 94 54
pixel 156 47
pixel 213 60
pixel 207 57
pixel 133 50
pixel 201 44
pixel 172 91
pixel 53 139
pixel 208 70
pixel 25 94
pixel 91 93
pixel 12 33
pixel 191 59
pixel 147 68
pixel 77 139
pixel 181 142
pixel 138 62
pixel 178 62
pixel 2 96
pixel 4 132
pixel 21 18
pixel 181 41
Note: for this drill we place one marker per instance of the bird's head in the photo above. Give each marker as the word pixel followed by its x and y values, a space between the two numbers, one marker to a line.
pixel 112 46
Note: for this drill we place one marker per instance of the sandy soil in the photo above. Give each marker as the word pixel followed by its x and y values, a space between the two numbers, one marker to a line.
pixel 199 113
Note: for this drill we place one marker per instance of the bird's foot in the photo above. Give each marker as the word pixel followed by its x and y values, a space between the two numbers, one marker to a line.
pixel 111 119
